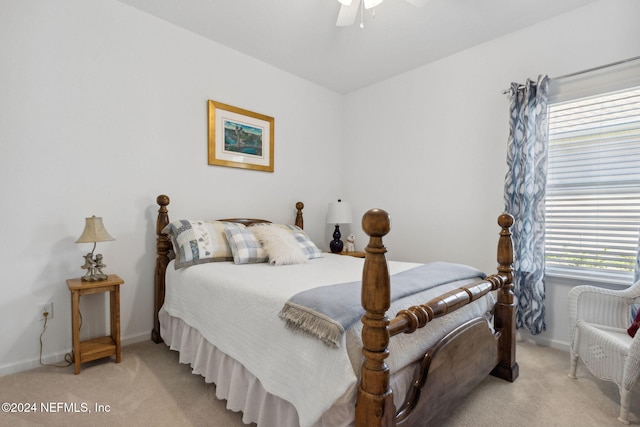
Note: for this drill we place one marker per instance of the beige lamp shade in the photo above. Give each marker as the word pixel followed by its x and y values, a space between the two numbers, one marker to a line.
pixel 94 231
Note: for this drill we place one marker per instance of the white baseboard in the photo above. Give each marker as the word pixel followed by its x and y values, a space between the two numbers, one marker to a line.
pixel 59 357
pixel 133 339
pixel 33 363
pixel 543 341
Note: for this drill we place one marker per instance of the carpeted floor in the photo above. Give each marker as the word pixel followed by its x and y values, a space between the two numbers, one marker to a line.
pixel 150 388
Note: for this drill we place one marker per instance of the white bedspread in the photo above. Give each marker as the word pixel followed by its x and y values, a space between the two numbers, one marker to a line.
pixel 241 319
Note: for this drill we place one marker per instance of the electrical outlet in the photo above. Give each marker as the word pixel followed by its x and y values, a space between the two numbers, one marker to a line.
pixel 45 308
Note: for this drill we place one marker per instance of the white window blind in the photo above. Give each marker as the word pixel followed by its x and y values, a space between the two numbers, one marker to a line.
pixel 593 187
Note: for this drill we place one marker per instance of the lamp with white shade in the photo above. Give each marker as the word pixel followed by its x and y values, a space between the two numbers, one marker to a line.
pixel 339 213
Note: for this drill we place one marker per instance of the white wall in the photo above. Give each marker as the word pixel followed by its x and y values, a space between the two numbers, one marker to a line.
pixel 430 145
pixel 103 108
pixel 98 98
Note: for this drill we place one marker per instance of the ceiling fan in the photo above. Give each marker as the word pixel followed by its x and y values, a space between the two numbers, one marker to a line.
pixel 349 10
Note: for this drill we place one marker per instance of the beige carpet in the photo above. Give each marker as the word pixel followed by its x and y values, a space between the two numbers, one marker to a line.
pixel 150 388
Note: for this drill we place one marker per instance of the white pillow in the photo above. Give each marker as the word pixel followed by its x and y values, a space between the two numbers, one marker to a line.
pixel 281 246
pixel 308 247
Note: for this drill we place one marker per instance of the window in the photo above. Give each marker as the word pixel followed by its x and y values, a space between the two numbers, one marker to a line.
pixel 593 187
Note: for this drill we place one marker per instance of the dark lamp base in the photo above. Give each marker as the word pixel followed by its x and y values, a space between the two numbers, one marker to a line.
pixel 336 244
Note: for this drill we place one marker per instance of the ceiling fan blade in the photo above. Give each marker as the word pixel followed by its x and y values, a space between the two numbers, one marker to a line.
pixel 418 3
pixel 347 14
pixel 368 4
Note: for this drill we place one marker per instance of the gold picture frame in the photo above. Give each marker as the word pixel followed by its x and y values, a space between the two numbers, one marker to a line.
pixel 240 138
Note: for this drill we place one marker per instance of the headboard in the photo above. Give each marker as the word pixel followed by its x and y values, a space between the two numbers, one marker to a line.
pixel 164 253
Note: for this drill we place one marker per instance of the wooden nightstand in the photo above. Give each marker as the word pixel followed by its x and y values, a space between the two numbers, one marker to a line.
pixel 97 348
pixel 356 254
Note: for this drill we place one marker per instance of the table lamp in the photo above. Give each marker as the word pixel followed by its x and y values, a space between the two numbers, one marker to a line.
pixel 339 213
pixel 94 232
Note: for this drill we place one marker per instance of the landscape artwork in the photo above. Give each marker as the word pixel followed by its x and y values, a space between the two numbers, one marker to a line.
pixel 240 138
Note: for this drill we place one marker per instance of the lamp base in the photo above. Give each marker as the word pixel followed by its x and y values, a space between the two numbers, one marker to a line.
pixel 336 244
pixel 94 268
pixel 93 277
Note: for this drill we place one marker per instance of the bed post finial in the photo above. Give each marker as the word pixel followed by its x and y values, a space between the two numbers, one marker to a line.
pixel 505 309
pixel 163 201
pixel 374 405
pixel 163 246
pixel 299 221
pixel 505 247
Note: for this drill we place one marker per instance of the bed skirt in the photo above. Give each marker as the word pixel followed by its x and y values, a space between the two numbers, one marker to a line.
pixel 235 384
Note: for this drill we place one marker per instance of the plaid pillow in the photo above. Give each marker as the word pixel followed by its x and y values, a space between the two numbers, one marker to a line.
pixel 308 247
pixel 197 242
pixel 244 245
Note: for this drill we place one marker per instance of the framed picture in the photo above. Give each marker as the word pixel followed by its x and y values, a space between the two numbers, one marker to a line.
pixel 240 138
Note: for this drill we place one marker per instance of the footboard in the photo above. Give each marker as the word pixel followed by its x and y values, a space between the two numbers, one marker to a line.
pixel 453 367
pixel 447 367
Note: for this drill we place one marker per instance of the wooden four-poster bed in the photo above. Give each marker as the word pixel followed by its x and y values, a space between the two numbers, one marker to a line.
pixel 442 365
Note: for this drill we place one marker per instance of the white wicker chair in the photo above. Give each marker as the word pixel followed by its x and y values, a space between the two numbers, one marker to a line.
pixel 598 322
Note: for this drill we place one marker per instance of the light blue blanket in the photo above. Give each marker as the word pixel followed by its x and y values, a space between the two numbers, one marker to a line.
pixel 327 311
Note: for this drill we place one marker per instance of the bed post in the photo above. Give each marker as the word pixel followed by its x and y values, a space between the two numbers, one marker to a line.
pixel 374 405
pixel 299 221
pixel 505 310
pixel 163 246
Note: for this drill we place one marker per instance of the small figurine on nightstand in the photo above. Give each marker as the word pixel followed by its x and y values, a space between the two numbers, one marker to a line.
pixel 89 265
pixel 94 268
pixel 98 268
pixel 351 243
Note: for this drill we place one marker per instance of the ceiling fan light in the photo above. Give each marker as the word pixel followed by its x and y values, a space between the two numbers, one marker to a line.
pixel 368 4
pixel 345 2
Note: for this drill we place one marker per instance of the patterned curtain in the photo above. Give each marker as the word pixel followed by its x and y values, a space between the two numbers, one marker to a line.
pixel 524 193
pixel 636 272
pixel 636 276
